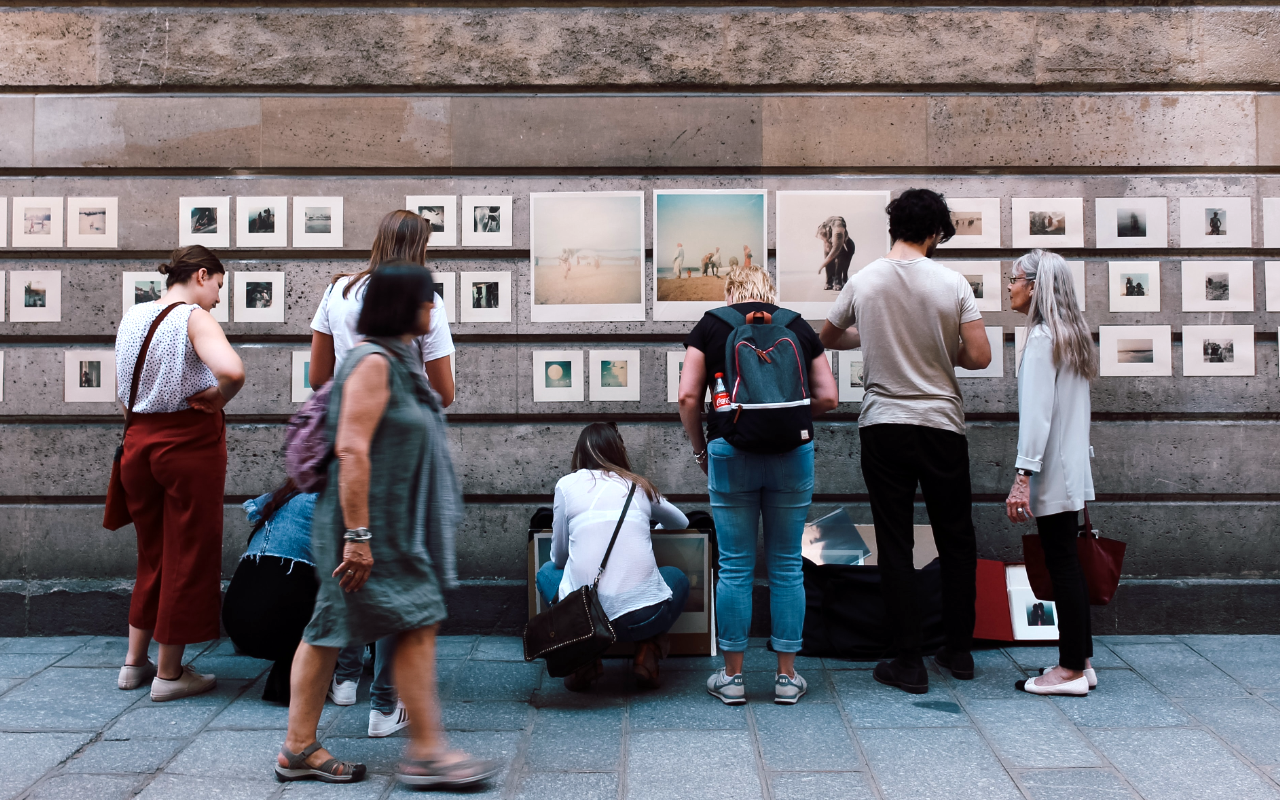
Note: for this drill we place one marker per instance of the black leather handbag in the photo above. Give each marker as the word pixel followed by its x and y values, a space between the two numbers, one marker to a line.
pixel 575 631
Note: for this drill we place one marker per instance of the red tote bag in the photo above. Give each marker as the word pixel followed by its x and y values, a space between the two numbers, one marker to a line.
pixel 1101 561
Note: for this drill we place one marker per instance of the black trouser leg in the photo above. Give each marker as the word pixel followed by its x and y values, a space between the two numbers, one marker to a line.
pixel 944 482
pixel 1070 592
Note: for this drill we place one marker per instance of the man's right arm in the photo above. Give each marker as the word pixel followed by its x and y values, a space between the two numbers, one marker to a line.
pixel 837 338
pixel 975 348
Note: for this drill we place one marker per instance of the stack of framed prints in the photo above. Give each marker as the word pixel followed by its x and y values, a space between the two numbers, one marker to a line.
pixel 698 235
pixel 1048 222
pixel 823 237
pixel 977 221
pixel 89 376
pixel 1216 221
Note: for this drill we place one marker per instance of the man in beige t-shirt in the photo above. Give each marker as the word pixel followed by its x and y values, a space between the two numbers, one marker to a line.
pixel 916 321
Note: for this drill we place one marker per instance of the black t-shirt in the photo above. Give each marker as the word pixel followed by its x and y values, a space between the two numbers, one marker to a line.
pixel 711 334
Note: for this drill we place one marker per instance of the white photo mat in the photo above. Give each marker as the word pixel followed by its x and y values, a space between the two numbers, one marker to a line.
pixel 1135 351
pixel 1217 286
pixel 675 361
pixel 142 287
pixel 1234 217
pixel 4 222
pixel 1078 272
pixel 35 296
pixel 988 288
pixel 995 338
pixel 473 222
pixel 89 376
pixel 259 296
pixel 37 222
pixel 222 311
pixel 301 390
pixel 624 380
pixel 550 383
pixel 93 222
pixel 1 376
pixel 310 222
pixel 1218 350
pixel 800 251
pixel 1132 222
pixel 262 221
pixel 477 290
pixel 3 304
pixel 1272 271
pixel 852 389
pixel 1022 603
pixel 204 220
pixel 1019 344
pixel 1049 222
pixel 448 291
pixel 977 223
pixel 441 210
pixel 1270 223
pixel 1134 286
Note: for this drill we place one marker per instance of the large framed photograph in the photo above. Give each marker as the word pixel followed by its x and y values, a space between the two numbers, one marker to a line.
pixel 1033 619
pixel 586 256
pixel 486 297
pixel 1132 222
pixel 446 286
pixel 93 222
pixel 1049 222
pixel 697 236
pixel 823 237
pixel 557 376
pixel 35 296
pixel 986 279
pixel 486 221
pixel 995 338
pixel 615 375
pixel 1217 285
pixel 1271 270
pixel 1225 350
pixel 259 296
pixel 852 389
pixel 317 222
pixel 89 376
pixel 301 389
pixel 1216 221
pixel 441 212
pixel 37 222
pixel 261 221
pixel 977 221
pixel 142 287
pixel 1134 285
pixel 1270 223
pixel 204 220
pixel 1135 351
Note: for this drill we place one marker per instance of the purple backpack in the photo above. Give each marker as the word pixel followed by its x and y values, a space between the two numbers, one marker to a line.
pixel 307 449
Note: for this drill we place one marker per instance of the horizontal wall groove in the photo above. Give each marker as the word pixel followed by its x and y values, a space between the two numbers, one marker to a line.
pixel 641 171
pixel 655 89
pixel 410 5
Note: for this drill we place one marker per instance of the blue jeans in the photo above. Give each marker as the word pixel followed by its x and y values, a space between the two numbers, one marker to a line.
pixel 382 695
pixel 745 487
pixel 633 626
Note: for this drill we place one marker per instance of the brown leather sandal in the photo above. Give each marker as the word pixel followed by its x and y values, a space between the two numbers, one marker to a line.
pixel 331 771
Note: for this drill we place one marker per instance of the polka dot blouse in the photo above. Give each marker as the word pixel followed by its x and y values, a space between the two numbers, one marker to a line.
pixel 172 372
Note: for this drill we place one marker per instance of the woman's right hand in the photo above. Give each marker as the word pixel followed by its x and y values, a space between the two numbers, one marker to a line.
pixel 357 563
pixel 210 401
pixel 1018 504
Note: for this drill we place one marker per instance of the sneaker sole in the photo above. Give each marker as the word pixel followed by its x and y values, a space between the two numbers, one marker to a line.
pixel 338 702
pixel 728 701
pixel 789 701
pixel 913 688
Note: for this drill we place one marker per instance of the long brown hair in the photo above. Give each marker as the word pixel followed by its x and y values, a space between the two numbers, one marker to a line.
pixel 402 236
pixel 600 446
pixel 185 262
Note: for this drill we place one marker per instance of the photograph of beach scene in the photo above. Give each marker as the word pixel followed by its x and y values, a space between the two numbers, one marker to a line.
pixel 1135 350
pixel 587 256
pixel 822 239
pixel 698 237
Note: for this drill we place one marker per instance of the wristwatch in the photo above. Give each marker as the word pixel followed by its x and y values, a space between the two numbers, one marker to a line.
pixel 357 535
pixel 1028 473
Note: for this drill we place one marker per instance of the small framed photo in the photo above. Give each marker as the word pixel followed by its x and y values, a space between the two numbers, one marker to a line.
pixel 204 220
pixel 1270 223
pixel 1216 221
pixel 486 221
pixel 89 376
pixel 35 296
pixel 985 278
pixel 317 222
pixel 260 297
pixel 302 390
pixel 222 311
pixel 850 378
pixel 486 297
pixel 1135 285
pixel 142 287
pixel 441 210
pixel 615 376
pixel 4 224
pixel 1124 222
pixel 37 222
pixel 557 376
pixel 446 285
pixel 1217 350
pixel 1217 285
pixel 1135 351
pixel 1272 271
pixel 995 337
pixel 94 222
pixel 1032 618
pixel 675 366
pixel 977 221
pixel 261 222
pixel 1049 222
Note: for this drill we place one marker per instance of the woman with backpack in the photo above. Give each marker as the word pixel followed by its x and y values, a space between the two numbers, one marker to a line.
pixel 768 377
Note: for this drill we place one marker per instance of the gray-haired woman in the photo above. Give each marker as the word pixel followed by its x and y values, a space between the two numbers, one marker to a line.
pixel 1054 479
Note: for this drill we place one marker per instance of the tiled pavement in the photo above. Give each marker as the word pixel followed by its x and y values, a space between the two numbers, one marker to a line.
pixel 1174 717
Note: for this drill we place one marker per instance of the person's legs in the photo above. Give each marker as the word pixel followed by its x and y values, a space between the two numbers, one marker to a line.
pixel 548 580
pixel 382 694
pixel 734 483
pixel 145 500
pixel 787 495
pixel 350 664
pixel 944 482
pixel 1071 593
pixel 657 619
pixel 309 680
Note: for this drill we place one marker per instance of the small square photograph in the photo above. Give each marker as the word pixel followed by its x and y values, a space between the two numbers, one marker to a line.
pixel 823 237
pixel 142 287
pixel 446 286
pixel 1217 286
pixel 850 377
pixel 615 375
pixel 441 210
pixel 317 222
pixel 1132 222
pixel 89 376
pixel 486 221
pixel 93 222
pixel 1051 222
pixel 1216 221
pixel 1270 223
pixel 37 222
pixel 486 296
pixel 262 221
pixel 1033 619
pixel 1271 269
pixel 699 235
pixel 675 368
pixel 302 389
pixel 204 220
pixel 1135 350
pixel 259 296
pixel 557 376
pixel 1135 285
pixel 995 337
pixel 986 279
pixel 1225 350
pixel 35 296
pixel 977 221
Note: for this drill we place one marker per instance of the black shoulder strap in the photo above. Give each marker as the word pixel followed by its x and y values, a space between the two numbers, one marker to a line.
pixel 142 360
pixel 604 561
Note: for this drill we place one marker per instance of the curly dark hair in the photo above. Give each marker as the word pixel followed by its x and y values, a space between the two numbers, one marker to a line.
pixel 917 214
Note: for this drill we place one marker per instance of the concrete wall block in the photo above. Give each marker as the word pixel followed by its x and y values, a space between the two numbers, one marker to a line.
pixel 356 132
pixel 71 608
pixel 842 130
pixel 49 48
pixel 492 541
pixel 1243 45
pixel 1268 130
pixel 16 126
pixel 486 381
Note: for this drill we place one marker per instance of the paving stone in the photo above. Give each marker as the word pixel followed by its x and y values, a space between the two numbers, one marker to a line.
pixel 806 736
pixel 143 755
pixel 1114 639
pixel 614 688
pixel 66 699
pixel 994 677
pixel 1125 700
pixel 557 786
pixel 705 664
pixel 703 764
pixel 24 665
pixel 760 686
pixel 1179 671
pixel 42 644
pixel 931 763
pixel 1247 724
pixel 27 756
pixel 500 648
pixel 8 683
pixel 227 753
pixel 454 646
pixel 480 715
pixel 104 651
pixel 86 787
pixel 1031 732
pixel 501 746
pixel 576 739
pixel 378 755
pixel 1033 659
pixel 842 663
pixel 371 788
pixel 1176 764
pixel 1074 784
pixel 251 712
pixel 231 667
pixel 869 704
pixel 820 786
pixel 761 659
pixel 173 720
pixel 186 787
pixel 1252 660
pixel 495 680
pixel 683 703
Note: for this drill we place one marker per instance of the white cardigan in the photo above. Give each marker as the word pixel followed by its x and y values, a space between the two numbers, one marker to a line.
pixel 1053 429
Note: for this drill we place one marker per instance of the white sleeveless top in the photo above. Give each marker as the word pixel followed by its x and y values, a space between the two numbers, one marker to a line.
pixel 172 372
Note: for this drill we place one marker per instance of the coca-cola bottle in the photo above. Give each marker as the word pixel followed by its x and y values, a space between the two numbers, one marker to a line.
pixel 719 394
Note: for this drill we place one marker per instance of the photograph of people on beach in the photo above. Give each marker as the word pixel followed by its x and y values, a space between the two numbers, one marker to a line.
pixel 35 296
pixel 823 237
pixel 698 236
pixel 36 221
pixel 1134 285
pixel 92 222
pixel 262 221
pixel 587 256
pixel 977 221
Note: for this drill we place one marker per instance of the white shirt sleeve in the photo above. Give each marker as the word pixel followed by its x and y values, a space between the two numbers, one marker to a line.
pixel 968 304
pixel 438 342
pixel 559 530
pixel 668 516
pixel 1037 379
pixel 320 322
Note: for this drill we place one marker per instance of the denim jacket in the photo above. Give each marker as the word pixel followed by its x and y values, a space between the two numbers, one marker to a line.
pixel 287 534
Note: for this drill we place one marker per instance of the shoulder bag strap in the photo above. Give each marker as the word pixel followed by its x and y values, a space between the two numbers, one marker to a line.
pixel 604 561
pixel 142 360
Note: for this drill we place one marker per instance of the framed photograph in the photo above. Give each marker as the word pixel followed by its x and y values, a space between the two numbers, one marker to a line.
pixel 1217 285
pixel 4 222
pixel 1019 344
pixel 2 304
pixel 615 376
pixel 986 279
pixel 850 377
pixel 35 296
pixel 1216 221
pixel 586 256
pixel 441 210
pixel 1272 271
pixel 1032 618
pixel 446 285
pixel 259 296
pixel 486 221
pixel 1077 276
pixel 1049 222
pixel 977 221
pixel 89 376
pixel 675 366
pixel 1131 222
pixel 486 297
pixel 93 222
pixel 301 391
pixel 1270 223
pixel 204 220
pixel 1135 351
pixel 37 222
pixel 1 376
pixel 222 311
pixel 995 337
pixel 317 222
pixel 697 236
pixel 823 237
pixel 142 287
pixel 1135 285
pixel 1217 350
pixel 557 376
pixel 261 221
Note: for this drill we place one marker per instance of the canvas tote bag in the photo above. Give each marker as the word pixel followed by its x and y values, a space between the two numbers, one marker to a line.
pixel 1101 561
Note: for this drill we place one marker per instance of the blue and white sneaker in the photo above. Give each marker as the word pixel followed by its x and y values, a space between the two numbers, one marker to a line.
pixel 733 691
pixel 787 690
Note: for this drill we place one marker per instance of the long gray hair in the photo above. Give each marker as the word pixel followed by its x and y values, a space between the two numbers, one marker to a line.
pixel 1054 305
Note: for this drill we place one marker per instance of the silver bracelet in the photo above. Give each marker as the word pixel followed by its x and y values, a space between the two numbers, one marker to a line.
pixel 701 458
pixel 357 535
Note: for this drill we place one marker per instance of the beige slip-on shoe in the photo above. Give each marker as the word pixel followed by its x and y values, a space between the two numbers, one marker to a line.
pixel 188 684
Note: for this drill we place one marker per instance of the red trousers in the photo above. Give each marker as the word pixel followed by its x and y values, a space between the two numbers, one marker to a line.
pixel 174 470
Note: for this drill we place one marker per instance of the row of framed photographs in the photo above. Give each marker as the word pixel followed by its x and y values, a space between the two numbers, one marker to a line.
pixel 36 295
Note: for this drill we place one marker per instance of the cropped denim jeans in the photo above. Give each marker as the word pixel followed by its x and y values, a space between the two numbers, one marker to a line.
pixel 746 487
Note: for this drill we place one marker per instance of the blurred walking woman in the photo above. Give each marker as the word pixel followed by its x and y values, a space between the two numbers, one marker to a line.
pixel 174 469
pixel 1054 478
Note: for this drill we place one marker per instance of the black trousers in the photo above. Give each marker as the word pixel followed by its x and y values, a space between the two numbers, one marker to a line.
pixel 1070 591
pixel 268 604
pixel 895 459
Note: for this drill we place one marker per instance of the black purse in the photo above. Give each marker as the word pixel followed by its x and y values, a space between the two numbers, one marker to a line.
pixel 574 631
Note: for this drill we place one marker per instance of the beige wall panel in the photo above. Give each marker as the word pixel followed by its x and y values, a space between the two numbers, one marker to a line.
pixel 834 130
pixel 48 48
pixel 16 125
pixel 1268 130
pixel 338 132
pixel 1239 45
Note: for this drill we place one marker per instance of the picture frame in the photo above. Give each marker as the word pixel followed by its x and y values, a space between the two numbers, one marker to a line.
pixel 259 296
pixel 986 279
pixel 1033 619
pixel 204 220
pixel 557 376
pixel 222 311
pixel 995 337
pixel 1217 286
pixel 1078 273
pixel 1134 286
pixel 806 232
pixel 614 376
pixel 1 374
pixel 447 288
pixel 977 221
pixel 317 222
pixel 89 376
pixel 706 231
pixel 1218 350
pixel 1135 351
pixel 3 305
pixel 141 287
pixel 4 222
pixel 852 388
pixel 1270 223
pixel 37 222
pixel 1131 222
pixel 485 297
pixel 1049 222
pixel 301 391
pixel 93 222
pixel 262 222
pixel 486 221
pixel 675 363
pixel 1215 221
pixel 1271 271
pixel 35 296
pixel 1019 344
pixel 441 211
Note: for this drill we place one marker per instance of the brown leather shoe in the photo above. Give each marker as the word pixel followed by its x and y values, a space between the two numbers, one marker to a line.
pixel 580 680
pixel 645 664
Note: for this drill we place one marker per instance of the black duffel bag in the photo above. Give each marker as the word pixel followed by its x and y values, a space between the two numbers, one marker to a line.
pixel 844 614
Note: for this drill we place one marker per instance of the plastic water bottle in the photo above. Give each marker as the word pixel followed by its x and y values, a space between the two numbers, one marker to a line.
pixel 719 395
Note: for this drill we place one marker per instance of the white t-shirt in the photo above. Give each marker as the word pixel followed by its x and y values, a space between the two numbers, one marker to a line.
pixel 909 314
pixel 337 316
